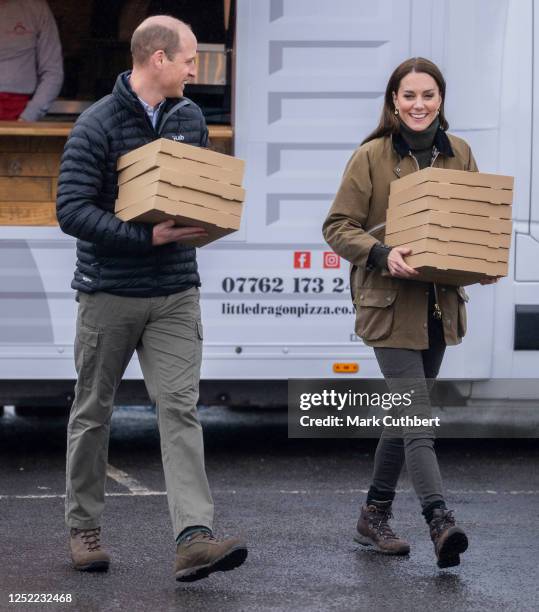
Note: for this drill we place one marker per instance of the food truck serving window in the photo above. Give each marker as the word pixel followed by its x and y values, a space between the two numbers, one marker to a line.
pixel 96 44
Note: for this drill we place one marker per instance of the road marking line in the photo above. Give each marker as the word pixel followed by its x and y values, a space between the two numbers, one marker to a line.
pixel 62 495
pixel 123 478
pixel 147 493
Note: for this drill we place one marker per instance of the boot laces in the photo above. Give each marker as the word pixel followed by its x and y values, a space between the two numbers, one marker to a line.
pixel 380 524
pixel 207 536
pixel 203 535
pixel 90 537
pixel 440 524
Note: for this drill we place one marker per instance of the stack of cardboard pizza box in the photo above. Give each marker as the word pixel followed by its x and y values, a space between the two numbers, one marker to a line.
pixel 191 185
pixel 457 223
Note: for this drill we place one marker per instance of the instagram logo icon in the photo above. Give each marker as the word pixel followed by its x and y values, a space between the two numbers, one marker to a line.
pixel 331 260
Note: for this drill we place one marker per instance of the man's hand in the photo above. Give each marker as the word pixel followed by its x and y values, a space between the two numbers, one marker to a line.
pixel 490 280
pixel 166 232
pixel 397 266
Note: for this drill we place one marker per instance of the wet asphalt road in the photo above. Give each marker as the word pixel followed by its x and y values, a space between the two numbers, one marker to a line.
pixel 296 503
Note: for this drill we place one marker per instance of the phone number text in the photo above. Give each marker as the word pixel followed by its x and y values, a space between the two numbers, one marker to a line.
pixel 298 284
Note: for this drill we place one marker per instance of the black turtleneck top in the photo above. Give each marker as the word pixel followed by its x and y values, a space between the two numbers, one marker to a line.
pixel 420 143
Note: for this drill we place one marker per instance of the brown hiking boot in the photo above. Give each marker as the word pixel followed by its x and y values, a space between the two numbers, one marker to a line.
pixel 373 529
pixel 86 552
pixel 449 540
pixel 201 554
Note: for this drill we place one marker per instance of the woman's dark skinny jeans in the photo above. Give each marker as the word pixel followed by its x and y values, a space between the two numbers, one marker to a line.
pixel 403 368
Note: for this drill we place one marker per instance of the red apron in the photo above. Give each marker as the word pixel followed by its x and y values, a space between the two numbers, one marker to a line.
pixel 12 105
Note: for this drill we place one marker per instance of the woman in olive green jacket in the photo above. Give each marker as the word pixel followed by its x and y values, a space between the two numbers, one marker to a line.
pixel 409 323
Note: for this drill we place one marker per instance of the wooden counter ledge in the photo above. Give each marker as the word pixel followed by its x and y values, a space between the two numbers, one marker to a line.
pixel 51 128
pixel 29 163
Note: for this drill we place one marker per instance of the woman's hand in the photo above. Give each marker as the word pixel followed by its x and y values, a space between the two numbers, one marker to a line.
pixel 397 266
pixel 490 280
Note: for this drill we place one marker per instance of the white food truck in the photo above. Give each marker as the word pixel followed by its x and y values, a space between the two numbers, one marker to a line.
pixel 308 81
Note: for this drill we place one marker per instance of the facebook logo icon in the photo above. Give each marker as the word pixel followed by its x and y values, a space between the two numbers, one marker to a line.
pixel 302 259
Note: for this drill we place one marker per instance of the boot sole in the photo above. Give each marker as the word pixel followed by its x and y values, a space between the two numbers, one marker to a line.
pixel 95 566
pixel 231 560
pixel 366 541
pixel 449 554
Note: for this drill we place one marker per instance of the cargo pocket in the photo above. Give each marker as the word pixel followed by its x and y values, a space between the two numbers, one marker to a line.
pixel 86 355
pixel 462 298
pixel 197 358
pixel 375 312
pixel 200 335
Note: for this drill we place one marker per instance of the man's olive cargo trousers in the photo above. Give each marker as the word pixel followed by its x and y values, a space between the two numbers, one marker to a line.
pixel 166 332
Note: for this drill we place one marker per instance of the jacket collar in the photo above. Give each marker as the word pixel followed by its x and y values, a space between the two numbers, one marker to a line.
pixel 123 91
pixel 441 143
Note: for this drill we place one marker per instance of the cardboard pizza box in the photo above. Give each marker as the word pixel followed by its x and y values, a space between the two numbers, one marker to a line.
pixel 157 209
pixel 456 177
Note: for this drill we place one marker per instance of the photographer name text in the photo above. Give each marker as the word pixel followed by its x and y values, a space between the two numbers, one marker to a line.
pixel 373 421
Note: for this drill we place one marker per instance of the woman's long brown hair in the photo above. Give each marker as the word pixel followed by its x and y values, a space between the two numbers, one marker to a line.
pixel 389 122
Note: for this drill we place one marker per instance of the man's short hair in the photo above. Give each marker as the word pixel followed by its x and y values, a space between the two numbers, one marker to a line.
pixel 150 38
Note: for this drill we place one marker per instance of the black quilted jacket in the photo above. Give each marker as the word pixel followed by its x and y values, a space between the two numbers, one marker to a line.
pixel 112 255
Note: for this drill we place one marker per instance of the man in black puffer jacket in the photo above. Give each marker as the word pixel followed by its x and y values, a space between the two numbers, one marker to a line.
pixel 137 287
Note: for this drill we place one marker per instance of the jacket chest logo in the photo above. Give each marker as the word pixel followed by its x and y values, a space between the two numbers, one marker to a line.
pixel 178 138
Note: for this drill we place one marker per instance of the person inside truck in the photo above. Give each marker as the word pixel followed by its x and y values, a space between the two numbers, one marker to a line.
pixel 138 290
pixel 409 323
pixel 31 70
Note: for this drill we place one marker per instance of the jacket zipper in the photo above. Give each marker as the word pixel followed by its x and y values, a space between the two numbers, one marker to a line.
pixel 148 123
pixel 164 119
pixel 415 159
pixel 156 131
pixel 437 313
